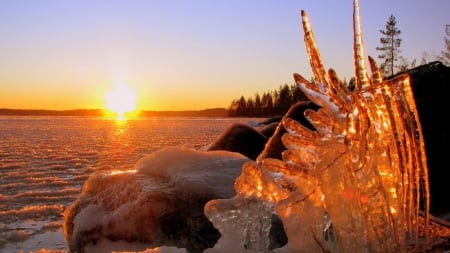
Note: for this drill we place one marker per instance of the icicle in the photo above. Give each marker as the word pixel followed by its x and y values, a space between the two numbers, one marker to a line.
pixel 314 55
pixel 362 82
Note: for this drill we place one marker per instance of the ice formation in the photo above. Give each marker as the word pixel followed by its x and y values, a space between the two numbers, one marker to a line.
pixel 355 184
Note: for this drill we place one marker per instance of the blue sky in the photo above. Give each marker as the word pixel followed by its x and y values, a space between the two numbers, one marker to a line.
pixel 181 54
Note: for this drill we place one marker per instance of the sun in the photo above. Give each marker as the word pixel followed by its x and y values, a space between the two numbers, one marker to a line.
pixel 120 100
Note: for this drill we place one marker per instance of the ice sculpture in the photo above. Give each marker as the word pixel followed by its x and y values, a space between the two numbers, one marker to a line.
pixel 355 184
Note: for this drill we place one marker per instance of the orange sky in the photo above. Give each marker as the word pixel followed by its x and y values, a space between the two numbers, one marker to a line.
pixel 187 56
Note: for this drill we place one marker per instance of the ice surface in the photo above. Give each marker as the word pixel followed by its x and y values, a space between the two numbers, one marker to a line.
pixel 59 153
pixel 356 184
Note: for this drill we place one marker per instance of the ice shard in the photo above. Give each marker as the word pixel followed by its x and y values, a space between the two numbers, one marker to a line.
pixel 356 183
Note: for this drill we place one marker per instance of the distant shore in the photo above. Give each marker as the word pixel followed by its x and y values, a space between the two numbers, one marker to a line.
pixel 213 112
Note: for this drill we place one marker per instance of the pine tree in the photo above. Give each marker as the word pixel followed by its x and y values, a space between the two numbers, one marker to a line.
pixel 391 46
pixel 445 54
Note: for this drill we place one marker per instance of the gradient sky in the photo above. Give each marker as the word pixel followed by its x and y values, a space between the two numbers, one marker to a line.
pixel 188 54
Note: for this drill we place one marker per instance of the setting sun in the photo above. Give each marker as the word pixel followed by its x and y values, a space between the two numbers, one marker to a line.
pixel 121 100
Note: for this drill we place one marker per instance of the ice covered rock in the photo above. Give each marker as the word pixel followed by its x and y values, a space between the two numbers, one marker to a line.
pixel 159 202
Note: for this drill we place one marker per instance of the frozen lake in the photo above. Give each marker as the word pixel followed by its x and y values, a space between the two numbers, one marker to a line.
pixel 44 162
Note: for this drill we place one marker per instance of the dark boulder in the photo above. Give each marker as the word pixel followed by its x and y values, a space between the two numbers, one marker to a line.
pixel 269 129
pixel 431 88
pixel 242 139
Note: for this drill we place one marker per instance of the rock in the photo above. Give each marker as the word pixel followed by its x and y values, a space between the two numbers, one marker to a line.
pixel 242 139
pixel 430 84
pixel 263 141
pixel 271 120
pixel 269 129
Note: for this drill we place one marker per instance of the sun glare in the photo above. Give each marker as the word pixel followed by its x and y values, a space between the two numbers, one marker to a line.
pixel 121 100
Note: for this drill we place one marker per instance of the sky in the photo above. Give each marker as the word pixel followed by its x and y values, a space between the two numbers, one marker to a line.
pixel 188 54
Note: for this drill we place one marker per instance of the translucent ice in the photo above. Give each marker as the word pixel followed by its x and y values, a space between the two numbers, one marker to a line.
pixel 354 184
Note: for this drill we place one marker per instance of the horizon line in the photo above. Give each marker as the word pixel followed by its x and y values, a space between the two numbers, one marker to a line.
pixel 98 109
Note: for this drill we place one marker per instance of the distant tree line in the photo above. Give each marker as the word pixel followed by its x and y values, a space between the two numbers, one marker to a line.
pixel 38 112
pixel 276 102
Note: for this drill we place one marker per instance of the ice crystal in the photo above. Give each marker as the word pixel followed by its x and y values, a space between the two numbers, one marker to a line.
pixel 356 183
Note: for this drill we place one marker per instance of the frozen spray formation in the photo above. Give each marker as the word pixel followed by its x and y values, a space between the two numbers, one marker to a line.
pixel 355 184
